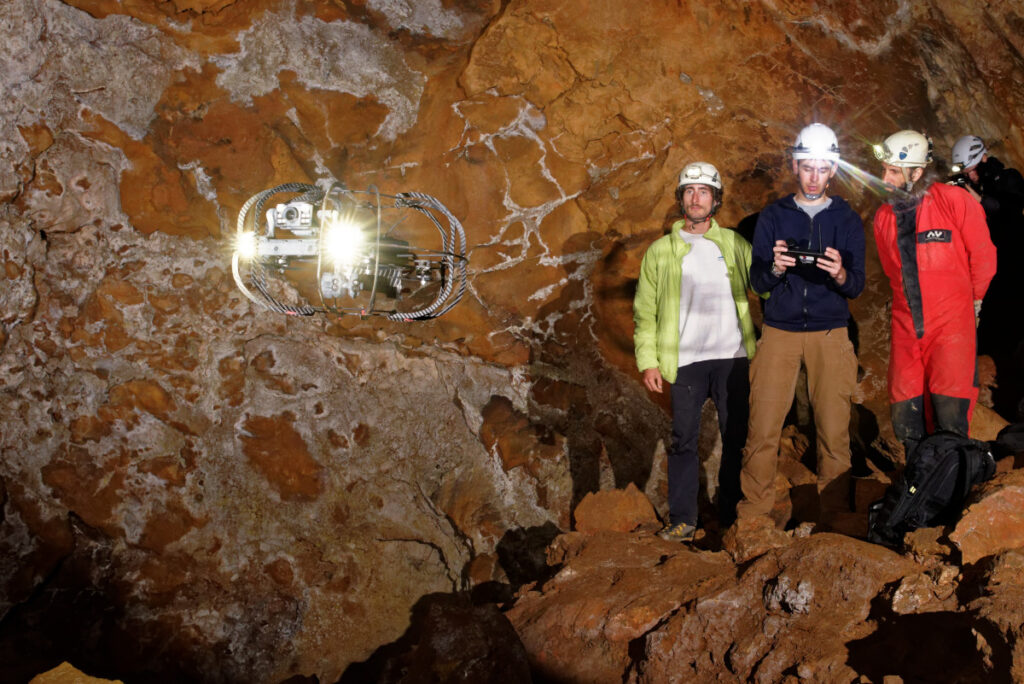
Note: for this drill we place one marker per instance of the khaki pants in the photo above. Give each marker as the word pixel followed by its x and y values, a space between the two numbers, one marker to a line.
pixel 831 376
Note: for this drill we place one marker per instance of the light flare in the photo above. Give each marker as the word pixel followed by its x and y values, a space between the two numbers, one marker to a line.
pixel 245 245
pixel 343 240
pixel 853 175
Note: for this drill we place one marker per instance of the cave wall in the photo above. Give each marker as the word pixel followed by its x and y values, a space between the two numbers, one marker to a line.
pixel 256 496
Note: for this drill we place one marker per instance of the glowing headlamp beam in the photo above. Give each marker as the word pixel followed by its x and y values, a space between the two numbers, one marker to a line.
pixel 869 181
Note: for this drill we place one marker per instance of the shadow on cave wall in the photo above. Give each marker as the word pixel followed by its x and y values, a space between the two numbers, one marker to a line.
pixel 583 386
pixel 464 636
pixel 450 638
pixel 79 614
pixel 631 460
pixel 75 615
pixel 522 553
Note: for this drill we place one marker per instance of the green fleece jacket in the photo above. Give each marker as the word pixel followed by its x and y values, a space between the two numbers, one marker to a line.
pixel 656 305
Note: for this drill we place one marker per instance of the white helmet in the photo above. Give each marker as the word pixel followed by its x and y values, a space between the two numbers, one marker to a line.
pixel 967 152
pixel 905 149
pixel 816 141
pixel 700 173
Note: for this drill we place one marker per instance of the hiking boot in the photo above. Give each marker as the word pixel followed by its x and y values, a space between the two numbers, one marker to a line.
pixel 680 532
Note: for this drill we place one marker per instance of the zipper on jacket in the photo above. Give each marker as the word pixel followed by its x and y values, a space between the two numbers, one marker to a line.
pixel 810 235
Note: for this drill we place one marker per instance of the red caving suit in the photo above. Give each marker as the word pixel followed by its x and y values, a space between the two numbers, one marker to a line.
pixel 937 266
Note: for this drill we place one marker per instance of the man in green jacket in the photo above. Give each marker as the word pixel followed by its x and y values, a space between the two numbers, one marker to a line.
pixel 693 331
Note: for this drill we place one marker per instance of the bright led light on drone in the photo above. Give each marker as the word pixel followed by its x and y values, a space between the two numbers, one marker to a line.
pixel 343 241
pixel 335 251
pixel 245 245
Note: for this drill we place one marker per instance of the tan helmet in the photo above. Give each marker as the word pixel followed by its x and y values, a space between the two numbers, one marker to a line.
pixel 905 149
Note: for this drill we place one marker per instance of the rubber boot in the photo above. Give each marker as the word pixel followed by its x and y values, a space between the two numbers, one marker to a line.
pixel 951 414
pixel 908 422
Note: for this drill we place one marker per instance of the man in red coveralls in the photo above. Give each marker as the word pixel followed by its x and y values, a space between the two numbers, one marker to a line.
pixel 935 248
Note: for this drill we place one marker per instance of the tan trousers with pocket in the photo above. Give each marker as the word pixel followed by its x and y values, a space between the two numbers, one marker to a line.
pixel 831 376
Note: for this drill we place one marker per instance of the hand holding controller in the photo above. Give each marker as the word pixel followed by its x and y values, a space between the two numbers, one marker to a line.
pixel 804 256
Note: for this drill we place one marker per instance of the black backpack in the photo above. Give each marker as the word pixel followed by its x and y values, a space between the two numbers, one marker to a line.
pixel 939 473
pixel 1009 441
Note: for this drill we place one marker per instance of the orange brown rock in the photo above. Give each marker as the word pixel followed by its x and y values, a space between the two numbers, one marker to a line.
pixel 278 451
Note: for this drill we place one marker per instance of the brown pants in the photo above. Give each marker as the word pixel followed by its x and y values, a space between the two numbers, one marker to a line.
pixel 831 376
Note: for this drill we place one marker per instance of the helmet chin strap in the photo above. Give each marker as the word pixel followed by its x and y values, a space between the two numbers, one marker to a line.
pixel 817 195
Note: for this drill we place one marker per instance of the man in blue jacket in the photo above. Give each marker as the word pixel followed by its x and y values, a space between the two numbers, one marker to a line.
pixel 805 322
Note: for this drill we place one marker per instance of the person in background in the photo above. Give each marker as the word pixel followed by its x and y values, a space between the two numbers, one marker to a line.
pixel 693 333
pixel 1000 190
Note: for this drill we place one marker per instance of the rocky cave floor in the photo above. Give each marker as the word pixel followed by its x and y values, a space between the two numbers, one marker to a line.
pixel 610 601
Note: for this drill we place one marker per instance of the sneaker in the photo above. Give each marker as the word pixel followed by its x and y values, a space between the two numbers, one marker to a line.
pixel 680 532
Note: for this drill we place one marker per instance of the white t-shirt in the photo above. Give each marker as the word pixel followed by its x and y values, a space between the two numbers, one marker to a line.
pixel 708 325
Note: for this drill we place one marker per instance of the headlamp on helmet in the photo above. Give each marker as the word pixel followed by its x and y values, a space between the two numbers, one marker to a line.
pixel 700 173
pixel 905 149
pixel 967 152
pixel 816 141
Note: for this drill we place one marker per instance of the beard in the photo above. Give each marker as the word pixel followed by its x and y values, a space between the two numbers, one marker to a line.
pixel 901 199
pixel 697 214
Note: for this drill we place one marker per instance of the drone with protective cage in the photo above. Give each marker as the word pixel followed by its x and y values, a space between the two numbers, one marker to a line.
pixel 304 249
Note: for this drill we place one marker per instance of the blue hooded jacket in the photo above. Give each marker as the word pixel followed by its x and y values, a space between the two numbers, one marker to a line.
pixel 806 298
